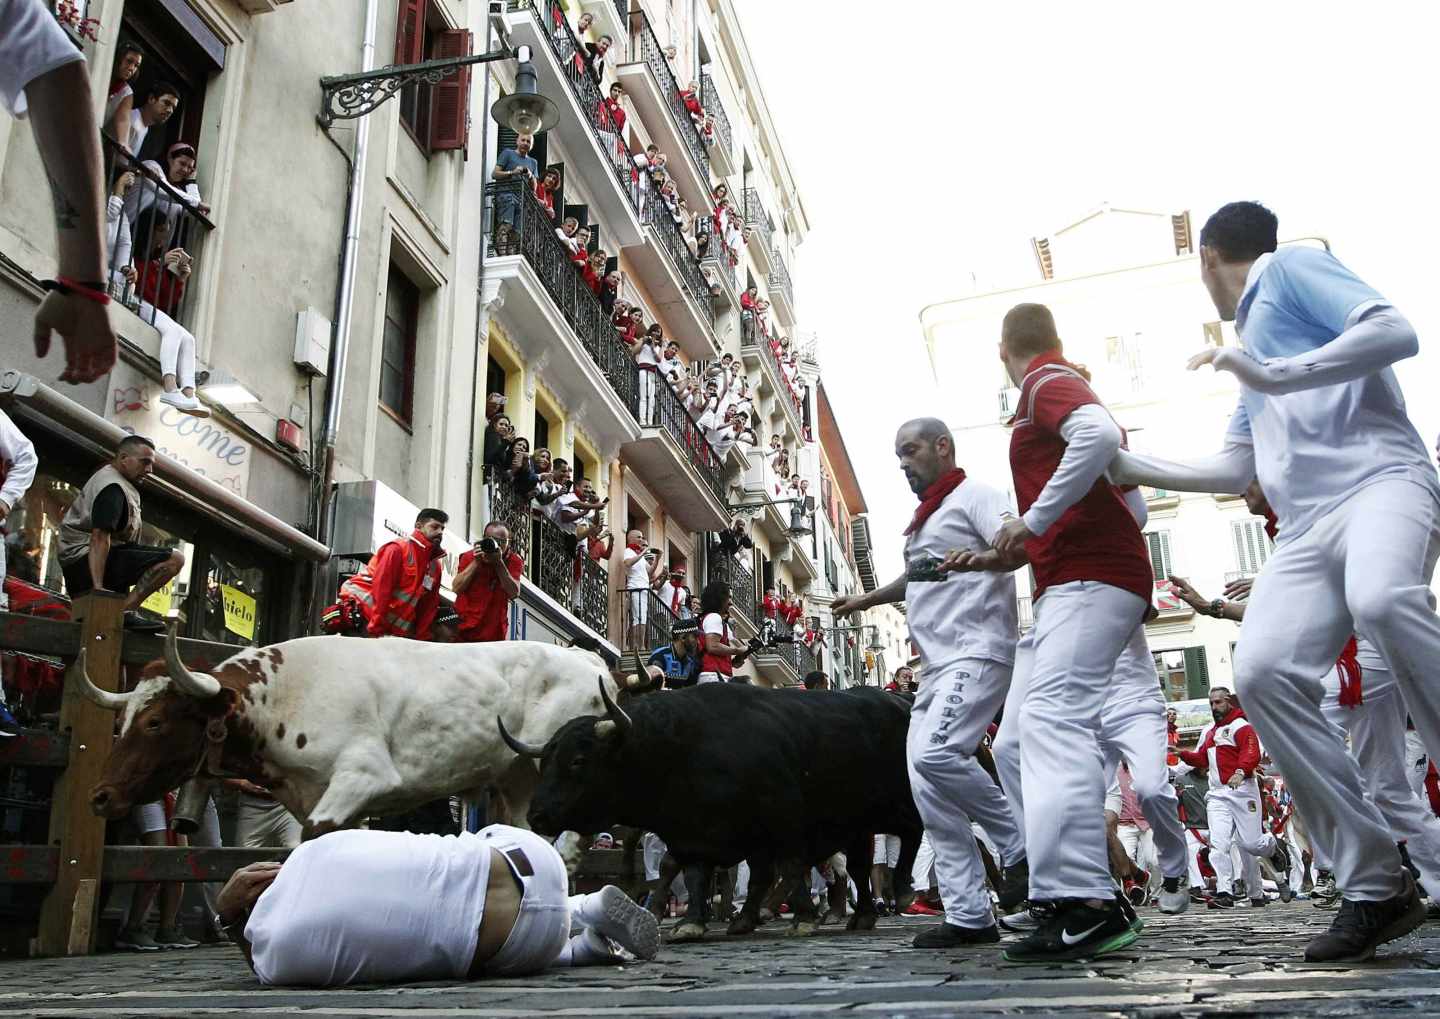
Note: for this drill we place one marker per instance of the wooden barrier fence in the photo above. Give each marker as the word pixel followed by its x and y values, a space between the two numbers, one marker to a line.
pixel 75 861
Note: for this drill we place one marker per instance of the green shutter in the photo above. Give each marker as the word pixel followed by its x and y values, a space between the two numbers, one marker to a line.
pixel 1197 673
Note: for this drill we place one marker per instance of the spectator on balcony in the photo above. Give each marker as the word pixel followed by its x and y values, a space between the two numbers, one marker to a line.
pixel 770 613
pixel 707 130
pixel 580 254
pixel 523 475
pixel 690 99
pixel 546 188
pixel 679 660
pixel 609 291
pixel 701 228
pixel 513 164
pixel 718 643
pixel 499 435
pixel 748 302
pixel 486 581
pixel 566 231
pixel 554 478
pixel 398 591
pixel 733 541
pixel 120 102
pixel 903 680
pixel 593 270
pixel 161 102
pixel 595 56
pixel 179 190
pixel 646 351
pixel 673 593
pixel 642 569
pixel 612 117
pixel 164 270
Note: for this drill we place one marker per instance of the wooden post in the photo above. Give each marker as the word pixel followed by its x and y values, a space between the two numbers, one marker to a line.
pixel 67 916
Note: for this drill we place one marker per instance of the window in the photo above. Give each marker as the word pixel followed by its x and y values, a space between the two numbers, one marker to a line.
pixel 1184 673
pixel 1158 544
pixel 437 116
pixel 1252 545
pixel 541 438
pixel 180 49
pixel 397 358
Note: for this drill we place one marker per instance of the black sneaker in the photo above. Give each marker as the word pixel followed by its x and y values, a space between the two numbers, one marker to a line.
pixel 1076 931
pixel 142 624
pixel 1128 909
pixel 1222 900
pixel 1014 885
pixel 1360 926
pixel 1280 861
pixel 1259 903
pixel 948 935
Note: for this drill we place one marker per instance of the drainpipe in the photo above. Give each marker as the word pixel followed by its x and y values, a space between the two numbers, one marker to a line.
pixel 344 308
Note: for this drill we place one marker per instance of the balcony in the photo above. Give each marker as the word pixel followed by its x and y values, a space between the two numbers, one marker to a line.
pixel 782 292
pixel 595 149
pixel 759 484
pixel 553 318
pixel 648 621
pixel 722 140
pixel 757 228
pixel 650 83
pixel 802 562
pixel 549 561
pixel 758 355
pixel 718 268
pixel 744 595
pixel 675 282
pixel 676 462
pixel 612 18
pixel 785 664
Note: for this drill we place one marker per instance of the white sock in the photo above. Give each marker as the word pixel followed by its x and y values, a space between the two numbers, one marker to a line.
pixel 585 949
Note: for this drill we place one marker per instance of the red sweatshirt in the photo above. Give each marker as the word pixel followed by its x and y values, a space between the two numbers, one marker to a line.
pixel 1226 747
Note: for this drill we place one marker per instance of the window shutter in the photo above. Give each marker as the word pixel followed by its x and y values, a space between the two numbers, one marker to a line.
pixel 1158 543
pixel 410 32
pixel 1252 545
pixel 450 98
pixel 1197 673
pixel 505 139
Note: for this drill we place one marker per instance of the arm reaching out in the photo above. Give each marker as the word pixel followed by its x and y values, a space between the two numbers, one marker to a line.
pixel 1226 472
pixel 1091 441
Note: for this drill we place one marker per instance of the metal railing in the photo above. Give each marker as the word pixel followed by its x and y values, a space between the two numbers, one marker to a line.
pixel 648 620
pixel 744 598
pixel 521 226
pixel 750 336
pixel 667 411
pixel 711 101
pixel 155 235
pixel 717 256
pixel 779 280
pixel 653 54
pixel 570 53
pixel 656 215
pixel 756 219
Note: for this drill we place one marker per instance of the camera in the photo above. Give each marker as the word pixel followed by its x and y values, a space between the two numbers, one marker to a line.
pixel 924 570
pixel 489 546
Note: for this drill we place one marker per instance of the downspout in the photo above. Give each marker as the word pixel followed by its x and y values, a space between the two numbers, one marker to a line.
pixel 344 309
pixel 482 318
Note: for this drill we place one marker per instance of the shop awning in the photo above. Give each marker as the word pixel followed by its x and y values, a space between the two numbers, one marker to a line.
pixel 29 400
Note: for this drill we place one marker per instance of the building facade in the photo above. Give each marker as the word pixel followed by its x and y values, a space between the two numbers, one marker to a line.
pixel 390 318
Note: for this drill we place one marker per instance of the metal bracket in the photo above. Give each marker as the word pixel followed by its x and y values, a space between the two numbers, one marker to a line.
pixel 347 96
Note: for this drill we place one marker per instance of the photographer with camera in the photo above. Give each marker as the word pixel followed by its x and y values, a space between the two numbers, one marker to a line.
pixel 487 580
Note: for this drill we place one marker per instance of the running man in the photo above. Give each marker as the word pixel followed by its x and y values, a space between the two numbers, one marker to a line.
pixel 1322 424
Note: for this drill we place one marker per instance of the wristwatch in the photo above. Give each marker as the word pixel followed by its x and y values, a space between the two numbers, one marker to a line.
pixel 228 929
pixel 1217 608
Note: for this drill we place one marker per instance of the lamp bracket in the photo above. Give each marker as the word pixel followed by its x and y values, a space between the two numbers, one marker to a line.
pixel 347 96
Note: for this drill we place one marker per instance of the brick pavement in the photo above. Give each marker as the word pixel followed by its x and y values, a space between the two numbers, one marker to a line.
pixel 1200 963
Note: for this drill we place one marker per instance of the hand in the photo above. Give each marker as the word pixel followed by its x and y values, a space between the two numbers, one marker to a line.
pixel 1012 536
pixel 965 560
pixel 203 209
pixel 1236 780
pixel 246 786
pixel 1187 594
pixel 1239 590
pixel 85 327
pixel 845 606
pixel 240 893
pixel 129 273
pixel 123 183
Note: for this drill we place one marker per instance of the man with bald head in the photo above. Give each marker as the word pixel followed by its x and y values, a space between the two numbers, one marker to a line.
pixel 964 624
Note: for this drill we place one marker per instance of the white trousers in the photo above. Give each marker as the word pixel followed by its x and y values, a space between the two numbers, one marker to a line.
pixel 1048 749
pixel 1193 846
pixel 922 874
pixel 177 346
pixel 1364 567
pixel 261 823
pixel 649 380
pixel 1235 824
pixel 954 707
pixel 1140 847
pixel 1376 728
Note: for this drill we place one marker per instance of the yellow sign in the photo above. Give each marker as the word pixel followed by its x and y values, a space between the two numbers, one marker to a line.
pixel 239 611
pixel 159 602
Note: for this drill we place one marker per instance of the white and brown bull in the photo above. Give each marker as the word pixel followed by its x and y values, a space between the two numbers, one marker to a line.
pixel 339 728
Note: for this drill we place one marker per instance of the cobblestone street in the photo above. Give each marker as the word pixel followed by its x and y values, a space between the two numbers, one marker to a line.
pixel 1200 963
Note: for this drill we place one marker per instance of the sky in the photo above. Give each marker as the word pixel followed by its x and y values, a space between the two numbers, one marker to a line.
pixel 928 157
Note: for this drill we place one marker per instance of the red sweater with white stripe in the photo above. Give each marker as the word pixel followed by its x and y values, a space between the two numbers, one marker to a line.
pixel 1226 747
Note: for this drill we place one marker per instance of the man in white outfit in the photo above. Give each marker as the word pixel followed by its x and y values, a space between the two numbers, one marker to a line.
pixel 384 907
pixel 1322 424
pixel 964 626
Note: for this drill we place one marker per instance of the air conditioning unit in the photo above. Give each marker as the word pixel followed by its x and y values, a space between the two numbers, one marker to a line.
pixel 312 342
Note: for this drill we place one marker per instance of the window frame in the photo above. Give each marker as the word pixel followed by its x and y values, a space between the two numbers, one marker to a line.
pixel 404 415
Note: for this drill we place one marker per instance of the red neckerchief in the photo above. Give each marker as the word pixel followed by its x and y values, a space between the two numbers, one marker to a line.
pixel 1348 664
pixel 675 597
pixel 933 496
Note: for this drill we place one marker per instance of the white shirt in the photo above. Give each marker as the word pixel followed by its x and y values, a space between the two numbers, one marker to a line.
pixel 138 130
pixel 637 573
pixel 676 599
pixel 967 615
pixel 32 43
pixel 563 503
pixel 372 907
pixel 17 460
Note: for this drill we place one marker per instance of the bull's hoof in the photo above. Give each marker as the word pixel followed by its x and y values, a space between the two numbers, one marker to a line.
pixel 766 915
pixel 742 924
pixel 862 922
pixel 800 929
pixel 689 930
pixel 904 902
pixel 831 917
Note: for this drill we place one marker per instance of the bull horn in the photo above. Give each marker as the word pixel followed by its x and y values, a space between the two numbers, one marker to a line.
pixel 613 711
pixel 105 698
pixel 523 749
pixel 196 684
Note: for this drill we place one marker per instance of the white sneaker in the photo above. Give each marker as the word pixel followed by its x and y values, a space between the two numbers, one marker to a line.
pixel 1177 901
pixel 185 404
pixel 1023 919
pixel 613 914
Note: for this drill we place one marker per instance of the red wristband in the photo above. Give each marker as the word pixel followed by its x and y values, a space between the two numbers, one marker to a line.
pixel 89 291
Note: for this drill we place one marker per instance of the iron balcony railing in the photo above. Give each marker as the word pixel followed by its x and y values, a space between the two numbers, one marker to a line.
pixel 668 412
pixel 650 51
pixel 554 560
pixel 648 621
pixel 570 53
pixel 155 237
pixel 521 226
pixel 779 280
pixel 717 257
pixel 744 600
pixel 656 215
pixel 711 101
pixel 750 336
pixel 756 219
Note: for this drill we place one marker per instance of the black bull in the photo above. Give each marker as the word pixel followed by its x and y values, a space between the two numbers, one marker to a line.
pixel 725 772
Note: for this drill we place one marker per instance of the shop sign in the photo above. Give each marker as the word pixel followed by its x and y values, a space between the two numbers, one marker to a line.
pixel 204 445
pixel 239 611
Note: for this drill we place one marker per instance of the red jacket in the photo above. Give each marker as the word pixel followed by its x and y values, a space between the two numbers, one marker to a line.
pixel 399 589
pixel 1225 748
